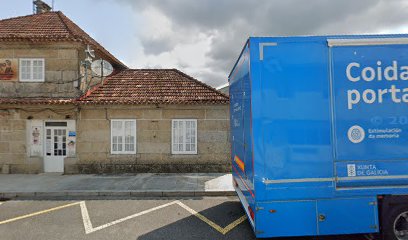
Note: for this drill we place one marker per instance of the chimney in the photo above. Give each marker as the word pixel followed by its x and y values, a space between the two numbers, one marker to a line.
pixel 41 7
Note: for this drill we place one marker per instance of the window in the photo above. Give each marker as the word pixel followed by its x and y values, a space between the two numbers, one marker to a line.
pixel 31 70
pixel 184 136
pixel 123 136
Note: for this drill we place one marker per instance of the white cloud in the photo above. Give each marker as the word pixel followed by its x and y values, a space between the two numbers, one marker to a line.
pixel 204 38
pixel 164 46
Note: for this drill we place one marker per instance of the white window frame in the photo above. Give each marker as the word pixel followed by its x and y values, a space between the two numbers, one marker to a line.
pixel 173 151
pixel 31 79
pixel 123 136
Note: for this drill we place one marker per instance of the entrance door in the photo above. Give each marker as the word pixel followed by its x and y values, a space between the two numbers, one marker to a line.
pixel 55 146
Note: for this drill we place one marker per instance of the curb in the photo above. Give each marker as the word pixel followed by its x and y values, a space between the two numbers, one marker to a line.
pixel 101 194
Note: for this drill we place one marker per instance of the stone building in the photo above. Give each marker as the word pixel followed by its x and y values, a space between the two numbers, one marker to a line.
pixel 56 116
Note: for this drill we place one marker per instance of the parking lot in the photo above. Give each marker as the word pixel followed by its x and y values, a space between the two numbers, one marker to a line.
pixel 188 218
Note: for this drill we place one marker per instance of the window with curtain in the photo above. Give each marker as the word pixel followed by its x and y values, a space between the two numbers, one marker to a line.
pixel 184 136
pixel 123 136
pixel 32 70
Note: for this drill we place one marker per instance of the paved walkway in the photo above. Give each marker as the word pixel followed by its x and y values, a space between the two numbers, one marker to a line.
pixel 139 185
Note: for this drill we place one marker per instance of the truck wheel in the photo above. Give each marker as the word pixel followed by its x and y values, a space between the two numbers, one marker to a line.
pixel 395 225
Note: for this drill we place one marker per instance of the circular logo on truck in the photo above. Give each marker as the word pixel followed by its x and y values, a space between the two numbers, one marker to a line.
pixel 356 134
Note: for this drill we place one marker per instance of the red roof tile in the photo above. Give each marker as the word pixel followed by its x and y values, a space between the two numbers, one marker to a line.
pixel 50 27
pixel 141 86
pixel 153 86
pixel 37 101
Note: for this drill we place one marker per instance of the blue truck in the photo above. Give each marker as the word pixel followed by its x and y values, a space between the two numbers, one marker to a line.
pixel 319 135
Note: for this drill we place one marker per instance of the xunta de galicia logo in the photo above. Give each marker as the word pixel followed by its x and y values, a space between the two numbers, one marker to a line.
pixel 356 134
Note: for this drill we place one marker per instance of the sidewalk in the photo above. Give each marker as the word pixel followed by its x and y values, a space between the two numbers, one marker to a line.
pixel 138 185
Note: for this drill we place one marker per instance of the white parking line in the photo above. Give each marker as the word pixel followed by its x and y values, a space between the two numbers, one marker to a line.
pixel 88 225
pixel 85 218
pixel 90 229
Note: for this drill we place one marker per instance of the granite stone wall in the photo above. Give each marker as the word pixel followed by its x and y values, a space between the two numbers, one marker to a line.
pixel 15 129
pixel 61 68
pixel 93 153
pixel 153 136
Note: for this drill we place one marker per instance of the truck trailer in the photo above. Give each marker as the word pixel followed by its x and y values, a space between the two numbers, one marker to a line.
pixel 319 135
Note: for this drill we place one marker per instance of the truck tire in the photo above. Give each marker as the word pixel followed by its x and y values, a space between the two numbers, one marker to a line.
pixel 395 223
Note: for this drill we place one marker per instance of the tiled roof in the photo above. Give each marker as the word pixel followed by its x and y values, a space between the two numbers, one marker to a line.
pixel 37 101
pixel 50 27
pixel 153 86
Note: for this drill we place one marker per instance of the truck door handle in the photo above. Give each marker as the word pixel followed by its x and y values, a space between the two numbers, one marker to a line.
pixel 322 217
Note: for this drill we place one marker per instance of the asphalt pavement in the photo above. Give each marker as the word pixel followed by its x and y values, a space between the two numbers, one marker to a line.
pixel 201 218
pixel 142 206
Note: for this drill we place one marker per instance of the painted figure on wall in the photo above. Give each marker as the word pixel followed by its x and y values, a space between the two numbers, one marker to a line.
pixel 8 69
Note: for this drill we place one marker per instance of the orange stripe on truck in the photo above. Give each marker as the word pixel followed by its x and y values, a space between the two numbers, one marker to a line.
pixel 240 163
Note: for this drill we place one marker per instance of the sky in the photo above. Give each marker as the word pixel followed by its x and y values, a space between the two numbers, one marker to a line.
pixel 204 38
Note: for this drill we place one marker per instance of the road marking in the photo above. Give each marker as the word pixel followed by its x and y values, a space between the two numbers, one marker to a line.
pixel 217 227
pixel 90 229
pixel 201 217
pixel 85 217
pixel 38 213
pixel 235 223
pixel 88 225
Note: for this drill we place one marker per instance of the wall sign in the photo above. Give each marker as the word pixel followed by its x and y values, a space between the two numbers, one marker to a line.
pixel 370 96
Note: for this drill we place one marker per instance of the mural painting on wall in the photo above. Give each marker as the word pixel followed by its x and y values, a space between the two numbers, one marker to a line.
pixel 8 69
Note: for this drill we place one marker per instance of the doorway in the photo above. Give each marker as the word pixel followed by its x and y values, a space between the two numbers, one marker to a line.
pixel 55 146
